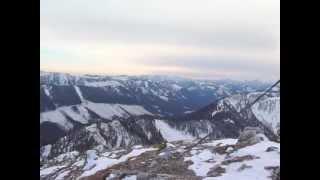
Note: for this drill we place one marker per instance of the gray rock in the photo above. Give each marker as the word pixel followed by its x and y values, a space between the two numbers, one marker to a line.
pixel 243 167
pixel 276 174
pixel 153 163
pixel 216 171
pixel 166 154
pixel 256 129
pixel 249 136
pixel 271 148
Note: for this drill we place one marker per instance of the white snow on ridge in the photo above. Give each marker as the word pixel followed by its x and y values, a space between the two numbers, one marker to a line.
pixel 268 112
pixel 176 87
pixel 103 83
pixel 171 134
pixel 79 93
pixel 164 98
pixel 188 112
pixel 121 78
pixel 46 150
pixel 81 116
pixel 106 110
pixel 135 109
pixel 56 117
pixel 237 101
pixel 50 170
pixel 80 113
pixel 46 91
pixel 144 90
pixel 222 142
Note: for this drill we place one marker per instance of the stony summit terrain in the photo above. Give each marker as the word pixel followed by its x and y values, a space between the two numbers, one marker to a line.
pixel 251 156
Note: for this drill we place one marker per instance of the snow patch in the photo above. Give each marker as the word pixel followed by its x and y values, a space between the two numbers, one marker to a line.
pixel 176 87
pixel 46 150
pixel 105 162
pixel 171 134
pixel 50 170
pixel 133 177
pixel 56 117
pixel 135 110
pixel 164 98
pixel 79 93
pixel 109 83
pixel 200 166
pixel 257 171
pixel 222 142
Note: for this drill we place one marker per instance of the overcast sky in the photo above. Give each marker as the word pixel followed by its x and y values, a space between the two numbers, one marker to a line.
pixel 210 39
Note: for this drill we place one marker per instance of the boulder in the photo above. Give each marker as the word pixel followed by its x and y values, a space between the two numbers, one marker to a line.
pixel 250 136
pixel 216 171
pixel 243 167
pixel 271 148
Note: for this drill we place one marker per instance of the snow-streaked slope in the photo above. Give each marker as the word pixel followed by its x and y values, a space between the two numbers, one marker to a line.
pixel 268 112
pixel 171 134
pixel 106 111
pixel 135 109
pixel 56 117
pixel 79 93
pixel 123 133
pixel 80 113
pixel 109 83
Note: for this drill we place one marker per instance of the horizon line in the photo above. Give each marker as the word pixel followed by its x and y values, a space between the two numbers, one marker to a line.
pixel 160 75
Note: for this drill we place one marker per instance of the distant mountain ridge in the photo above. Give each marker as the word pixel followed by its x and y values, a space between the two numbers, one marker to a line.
pixel 159 95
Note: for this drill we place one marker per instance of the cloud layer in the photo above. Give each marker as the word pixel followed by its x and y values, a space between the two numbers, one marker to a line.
pixel 194 38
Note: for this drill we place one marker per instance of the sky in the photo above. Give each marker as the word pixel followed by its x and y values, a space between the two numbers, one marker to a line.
pixel 200 39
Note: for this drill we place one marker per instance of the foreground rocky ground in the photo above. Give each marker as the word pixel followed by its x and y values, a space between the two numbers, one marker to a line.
pixel 251 156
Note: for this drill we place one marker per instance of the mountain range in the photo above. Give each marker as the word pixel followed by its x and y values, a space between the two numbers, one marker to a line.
pixel 79 113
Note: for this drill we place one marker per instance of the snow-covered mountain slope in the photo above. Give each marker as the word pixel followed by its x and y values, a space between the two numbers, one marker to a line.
pixel 56 123
pixel 86 112
pixel 159 95
pixel 171 134
pixel 105 135
pixel 68 102
pixel 79 113
pixel 224 159
pixel 222 119
pixel 266 110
